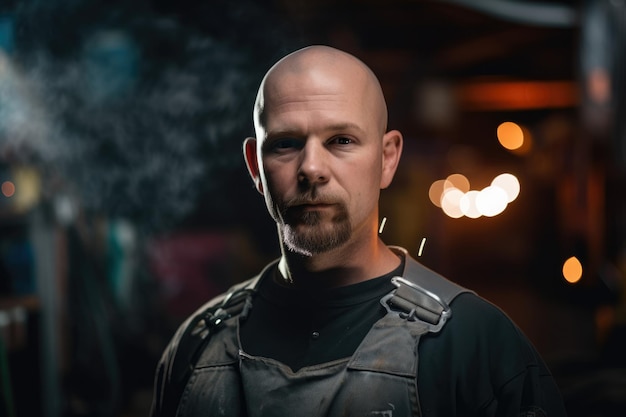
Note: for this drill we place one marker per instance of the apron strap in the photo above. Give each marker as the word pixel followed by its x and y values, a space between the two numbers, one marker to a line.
pixel 421 294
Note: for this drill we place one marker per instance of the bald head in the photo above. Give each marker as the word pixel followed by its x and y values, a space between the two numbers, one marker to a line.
pixel 322 153
pixel 316 70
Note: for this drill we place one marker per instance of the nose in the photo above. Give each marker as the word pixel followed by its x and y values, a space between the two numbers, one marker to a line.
pixel 313 167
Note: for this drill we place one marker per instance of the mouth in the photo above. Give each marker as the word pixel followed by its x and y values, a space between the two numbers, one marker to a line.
pixel 304 209
pixel 313 213
pixel 312 206
pixel 295 212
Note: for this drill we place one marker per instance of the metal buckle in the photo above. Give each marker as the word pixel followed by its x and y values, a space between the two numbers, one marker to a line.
pixel 434 328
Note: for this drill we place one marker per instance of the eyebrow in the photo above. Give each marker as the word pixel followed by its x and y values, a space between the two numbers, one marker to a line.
pixel 338 127
pixel 346 126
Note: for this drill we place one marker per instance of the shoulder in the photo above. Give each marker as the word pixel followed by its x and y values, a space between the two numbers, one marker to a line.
pixel 475 324
pixel 481 317
pixel 217 302
pixel 192 331
pixel 182 352
pixel 484 359
pixel 479 337
pixel 478 353
pixel 472 310
pixel 487 326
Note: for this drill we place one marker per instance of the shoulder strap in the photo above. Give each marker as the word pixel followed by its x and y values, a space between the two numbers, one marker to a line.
pixel 421 294
pixel 182 353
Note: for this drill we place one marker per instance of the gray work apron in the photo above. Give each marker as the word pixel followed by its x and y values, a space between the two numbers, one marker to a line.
pixel 380 379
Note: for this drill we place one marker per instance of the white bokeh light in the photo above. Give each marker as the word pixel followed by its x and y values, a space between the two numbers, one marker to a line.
pixel 509 183
pixel 468 205
pixel 454 196
pixel 451 202
pixel 491 201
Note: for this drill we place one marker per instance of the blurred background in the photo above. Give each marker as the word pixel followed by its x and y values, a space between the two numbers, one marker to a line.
pixel 125 203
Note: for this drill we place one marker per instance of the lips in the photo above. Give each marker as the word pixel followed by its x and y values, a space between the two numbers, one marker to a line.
pixel 314 205
pixel 309 202
pixel 296 211
pixel 309 208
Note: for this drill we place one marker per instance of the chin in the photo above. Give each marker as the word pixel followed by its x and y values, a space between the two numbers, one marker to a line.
pixel 315 242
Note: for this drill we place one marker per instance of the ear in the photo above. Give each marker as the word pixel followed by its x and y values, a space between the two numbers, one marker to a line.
pixel 392 149
pixel 252 163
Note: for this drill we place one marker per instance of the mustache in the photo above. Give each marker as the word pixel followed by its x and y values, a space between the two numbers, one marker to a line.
pixel 309 197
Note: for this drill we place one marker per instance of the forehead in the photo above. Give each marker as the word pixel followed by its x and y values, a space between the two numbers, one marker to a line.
pixel 318 94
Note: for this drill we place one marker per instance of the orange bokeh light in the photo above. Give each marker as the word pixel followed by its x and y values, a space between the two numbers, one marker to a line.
pixel 8 189
pixel 510 135
pixel 572 270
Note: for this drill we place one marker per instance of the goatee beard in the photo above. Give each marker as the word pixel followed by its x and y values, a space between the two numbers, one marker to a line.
pixel 307 233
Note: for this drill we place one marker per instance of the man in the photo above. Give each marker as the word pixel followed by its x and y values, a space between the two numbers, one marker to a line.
pixel 341 324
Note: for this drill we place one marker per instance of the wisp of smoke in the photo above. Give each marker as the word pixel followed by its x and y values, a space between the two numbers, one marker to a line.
pixel 139 116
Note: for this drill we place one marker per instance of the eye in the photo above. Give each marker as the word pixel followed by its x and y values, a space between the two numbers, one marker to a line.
pixel 342 140
pixel 284 144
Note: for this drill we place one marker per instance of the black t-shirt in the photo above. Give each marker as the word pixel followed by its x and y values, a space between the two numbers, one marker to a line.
pixel 479 364
pixel 302 327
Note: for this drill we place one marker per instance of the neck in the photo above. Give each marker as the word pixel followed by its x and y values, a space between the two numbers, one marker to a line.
pixel 339 267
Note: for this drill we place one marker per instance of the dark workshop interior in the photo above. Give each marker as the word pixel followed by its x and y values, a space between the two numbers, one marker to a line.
pixel 125 203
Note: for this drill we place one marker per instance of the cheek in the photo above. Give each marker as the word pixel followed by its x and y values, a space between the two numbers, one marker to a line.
pixel 367 200
pixel 365 176
pixel 272 202
pixel 277 184
pixel 277 179
pixel 364 185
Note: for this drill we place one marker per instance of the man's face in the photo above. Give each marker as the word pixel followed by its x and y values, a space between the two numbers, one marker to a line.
pixel 319 146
